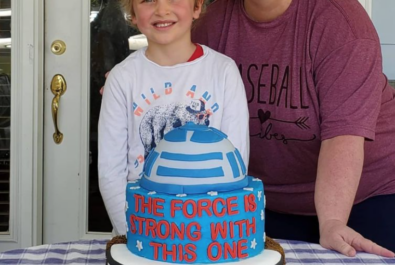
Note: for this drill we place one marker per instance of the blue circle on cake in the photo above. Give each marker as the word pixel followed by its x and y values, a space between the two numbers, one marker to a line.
pixel 194 159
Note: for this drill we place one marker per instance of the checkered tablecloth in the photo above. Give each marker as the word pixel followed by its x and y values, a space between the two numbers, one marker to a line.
pixel 93 252
pixel 79 252
pixel 297 252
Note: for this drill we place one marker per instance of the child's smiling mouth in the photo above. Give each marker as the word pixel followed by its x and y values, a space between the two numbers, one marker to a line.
pixel 163 24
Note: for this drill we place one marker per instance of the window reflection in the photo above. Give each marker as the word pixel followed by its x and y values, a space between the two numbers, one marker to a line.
pixel 110 35
pixel 5 113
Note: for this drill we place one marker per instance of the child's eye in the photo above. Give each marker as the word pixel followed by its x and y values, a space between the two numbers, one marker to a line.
pixel 147 1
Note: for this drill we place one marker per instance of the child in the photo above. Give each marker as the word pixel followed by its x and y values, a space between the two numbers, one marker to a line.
pixel 161 87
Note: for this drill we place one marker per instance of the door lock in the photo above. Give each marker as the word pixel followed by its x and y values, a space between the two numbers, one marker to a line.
pixel 58 47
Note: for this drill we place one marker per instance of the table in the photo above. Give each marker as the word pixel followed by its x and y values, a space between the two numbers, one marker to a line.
pixel 93 252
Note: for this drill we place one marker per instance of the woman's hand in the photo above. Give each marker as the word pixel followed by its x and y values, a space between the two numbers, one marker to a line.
pixel 337 236
pixel 339 171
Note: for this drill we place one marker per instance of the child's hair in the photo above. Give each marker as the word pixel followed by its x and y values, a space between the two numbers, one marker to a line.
pixel 127 7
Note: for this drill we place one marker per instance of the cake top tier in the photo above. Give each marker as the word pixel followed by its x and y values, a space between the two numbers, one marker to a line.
pixel 194 159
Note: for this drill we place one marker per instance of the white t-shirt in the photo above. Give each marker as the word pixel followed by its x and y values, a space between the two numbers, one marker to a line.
pixel 142 101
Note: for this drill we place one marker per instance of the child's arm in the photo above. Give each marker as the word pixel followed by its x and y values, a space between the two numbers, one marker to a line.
pixel 113 150
pixel 235 120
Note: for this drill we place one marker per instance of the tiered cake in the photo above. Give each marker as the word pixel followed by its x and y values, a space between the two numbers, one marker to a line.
pixel 195 203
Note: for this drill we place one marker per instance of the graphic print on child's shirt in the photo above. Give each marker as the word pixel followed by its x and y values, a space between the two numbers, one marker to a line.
pixel 160 119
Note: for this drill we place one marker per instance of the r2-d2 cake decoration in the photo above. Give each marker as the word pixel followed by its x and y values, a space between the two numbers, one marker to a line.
pixel 208 162
pixel 195 205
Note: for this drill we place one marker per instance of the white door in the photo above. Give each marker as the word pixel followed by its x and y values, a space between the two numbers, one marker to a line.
pixel 83 39
pixel 65 161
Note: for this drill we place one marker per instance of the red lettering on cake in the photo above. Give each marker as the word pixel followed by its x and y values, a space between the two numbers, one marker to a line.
pixel 152 205
pixel 164 229
pixel 218 207
pixel 177 253
pixel 252 203
pixel 180 253
pixel 150 225
pixel 210 251
pixel 146 205
pixel 249 203
pixel 206 207
pixel 137 198
pixel 215 207
pixel 228 250
pixel 174 207
pixel 242 245
pixel 190 250
pixel 232 250
pixel 230 205
pixel 240 223
pixel 140 220
pixel 132 224
pixel 163 233
pixel 216 228
pixel 193 234
pixel 251 226
pixel 225 227
pixel 185 209
pixel 158 205
pixel 156 249
pixel 169 252
pixel 231 229
pixel 246 203
pixel 176 230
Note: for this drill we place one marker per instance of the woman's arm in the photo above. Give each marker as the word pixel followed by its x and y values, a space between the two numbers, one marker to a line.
pixel 339 171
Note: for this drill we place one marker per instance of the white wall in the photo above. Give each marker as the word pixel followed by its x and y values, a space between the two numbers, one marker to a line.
pixel 383 13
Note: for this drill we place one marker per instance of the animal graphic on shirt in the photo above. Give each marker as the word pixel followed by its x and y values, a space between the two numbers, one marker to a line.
pixel 162 119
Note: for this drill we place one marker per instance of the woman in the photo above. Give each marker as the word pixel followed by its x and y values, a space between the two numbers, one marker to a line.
pixel 321 117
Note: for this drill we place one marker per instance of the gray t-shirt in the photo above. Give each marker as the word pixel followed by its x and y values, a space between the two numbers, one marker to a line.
pixel 312 74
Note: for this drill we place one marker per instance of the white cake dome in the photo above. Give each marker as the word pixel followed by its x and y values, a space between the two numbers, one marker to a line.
pixel 194 159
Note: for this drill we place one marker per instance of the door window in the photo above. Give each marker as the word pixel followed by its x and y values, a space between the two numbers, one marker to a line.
pixel 112 40
pixel 5 113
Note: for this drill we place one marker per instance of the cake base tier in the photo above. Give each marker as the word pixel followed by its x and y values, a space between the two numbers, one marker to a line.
pixel 120 255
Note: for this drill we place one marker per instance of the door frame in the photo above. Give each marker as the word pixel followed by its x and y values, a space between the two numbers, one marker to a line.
pixel 367 4
pixel 27 129
pixel 72 155
pixel 26 126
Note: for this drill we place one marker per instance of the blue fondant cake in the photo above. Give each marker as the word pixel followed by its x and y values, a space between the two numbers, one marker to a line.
pixel 194 159
pixel 195 203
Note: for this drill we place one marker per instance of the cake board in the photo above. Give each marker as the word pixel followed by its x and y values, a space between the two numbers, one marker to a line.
pixel 119 254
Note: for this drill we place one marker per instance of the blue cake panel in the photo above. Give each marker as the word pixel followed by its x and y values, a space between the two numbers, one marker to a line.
pixel 213 227
pixel 192 189
pixel 194 159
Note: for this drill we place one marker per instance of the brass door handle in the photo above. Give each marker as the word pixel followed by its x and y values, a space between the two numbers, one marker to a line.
pixel 58 87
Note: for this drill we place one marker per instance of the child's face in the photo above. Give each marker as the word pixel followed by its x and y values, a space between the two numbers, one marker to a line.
pixel 165 21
